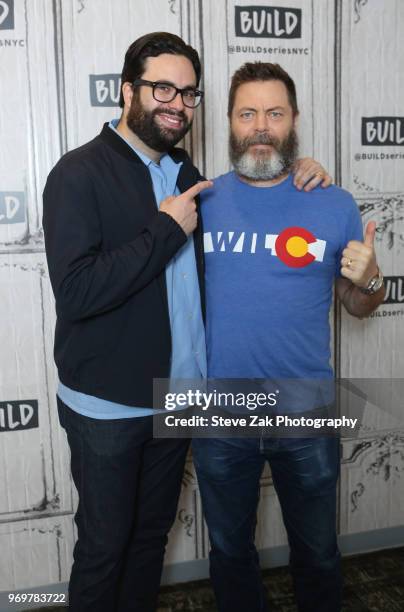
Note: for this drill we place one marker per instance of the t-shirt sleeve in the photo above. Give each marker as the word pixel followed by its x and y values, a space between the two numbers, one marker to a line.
pixel 353 231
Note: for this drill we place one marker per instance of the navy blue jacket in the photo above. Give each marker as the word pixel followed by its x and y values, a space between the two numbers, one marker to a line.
pixel 107 246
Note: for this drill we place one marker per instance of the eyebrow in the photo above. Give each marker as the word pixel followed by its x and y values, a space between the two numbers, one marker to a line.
pixel 250 108
pixel 165 82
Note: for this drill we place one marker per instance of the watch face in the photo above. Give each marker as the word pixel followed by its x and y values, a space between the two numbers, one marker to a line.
pixel 378 283
pixel 374 284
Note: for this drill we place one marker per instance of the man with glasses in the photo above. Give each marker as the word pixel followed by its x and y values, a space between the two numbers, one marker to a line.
pixel 125 255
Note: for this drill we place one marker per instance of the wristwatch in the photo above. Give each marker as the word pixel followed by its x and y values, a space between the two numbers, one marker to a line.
pixel 374 284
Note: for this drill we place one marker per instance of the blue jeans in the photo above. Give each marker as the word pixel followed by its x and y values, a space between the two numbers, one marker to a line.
pixel 305 473
pixel 128 485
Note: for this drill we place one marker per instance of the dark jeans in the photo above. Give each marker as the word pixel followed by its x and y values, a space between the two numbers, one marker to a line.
pixel 128 485
pixel 305 473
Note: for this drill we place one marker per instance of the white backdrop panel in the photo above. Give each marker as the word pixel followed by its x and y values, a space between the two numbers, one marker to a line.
pixel 346 58
pixel 28 123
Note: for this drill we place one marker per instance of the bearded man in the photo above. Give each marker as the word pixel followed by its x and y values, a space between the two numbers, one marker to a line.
pixel 272 254
pixel 125 256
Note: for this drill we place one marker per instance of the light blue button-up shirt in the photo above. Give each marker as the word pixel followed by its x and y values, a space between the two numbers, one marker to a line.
pixel 188 355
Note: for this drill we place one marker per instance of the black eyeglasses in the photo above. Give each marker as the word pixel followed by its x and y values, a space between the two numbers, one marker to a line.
pixel 166 92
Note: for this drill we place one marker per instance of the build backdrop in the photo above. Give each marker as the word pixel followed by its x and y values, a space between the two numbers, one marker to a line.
pixel 60 62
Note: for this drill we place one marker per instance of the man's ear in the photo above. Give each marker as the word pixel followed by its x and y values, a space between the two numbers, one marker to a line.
pixel 296 120
pixel 127 92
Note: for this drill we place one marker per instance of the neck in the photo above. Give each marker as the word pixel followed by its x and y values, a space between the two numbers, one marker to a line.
pixel 135 141
pixel 264 183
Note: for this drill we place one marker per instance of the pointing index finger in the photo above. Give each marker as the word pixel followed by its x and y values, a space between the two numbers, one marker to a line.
pixel 196 189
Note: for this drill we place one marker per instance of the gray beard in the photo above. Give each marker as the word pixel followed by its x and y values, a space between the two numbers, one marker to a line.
pixel 263 168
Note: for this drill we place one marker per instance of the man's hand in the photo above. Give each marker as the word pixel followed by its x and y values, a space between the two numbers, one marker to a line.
pixel 358 262
pixel 182 208
pixel 308 173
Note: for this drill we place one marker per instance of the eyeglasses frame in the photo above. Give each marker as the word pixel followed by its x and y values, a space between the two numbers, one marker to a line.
pixel 153 85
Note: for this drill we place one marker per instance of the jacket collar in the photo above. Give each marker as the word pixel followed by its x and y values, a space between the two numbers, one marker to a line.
pixel 110 138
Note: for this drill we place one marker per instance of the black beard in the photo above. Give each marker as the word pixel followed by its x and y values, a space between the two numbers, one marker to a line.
pixel 287 148
pixel 144 125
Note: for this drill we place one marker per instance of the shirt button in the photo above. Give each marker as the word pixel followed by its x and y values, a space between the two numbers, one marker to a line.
pixel 184 275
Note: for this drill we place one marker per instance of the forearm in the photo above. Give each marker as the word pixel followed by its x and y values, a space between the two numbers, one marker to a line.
pixel 87 277
pixel 87 284
pixel 360 305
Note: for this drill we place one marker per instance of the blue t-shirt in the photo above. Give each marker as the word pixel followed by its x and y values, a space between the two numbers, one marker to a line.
pixel 272 254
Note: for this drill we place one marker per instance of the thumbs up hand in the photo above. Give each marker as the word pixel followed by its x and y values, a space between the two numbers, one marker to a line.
pixel 358 262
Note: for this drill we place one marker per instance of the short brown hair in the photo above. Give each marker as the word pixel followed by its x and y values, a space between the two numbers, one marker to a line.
pixel 262 71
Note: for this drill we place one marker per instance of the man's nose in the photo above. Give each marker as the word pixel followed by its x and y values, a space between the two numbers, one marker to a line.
pixel 177 103
pixel 261 123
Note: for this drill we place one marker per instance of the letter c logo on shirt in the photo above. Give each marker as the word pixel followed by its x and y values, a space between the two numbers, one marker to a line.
pixel 292 247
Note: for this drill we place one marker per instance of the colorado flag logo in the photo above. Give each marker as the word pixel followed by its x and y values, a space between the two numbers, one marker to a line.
pixel 297 247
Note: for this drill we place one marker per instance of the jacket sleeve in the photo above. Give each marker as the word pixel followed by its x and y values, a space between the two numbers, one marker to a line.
pixel 88 280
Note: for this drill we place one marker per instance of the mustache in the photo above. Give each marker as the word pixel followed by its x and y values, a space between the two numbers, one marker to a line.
pixel 170 111
pixel 265 139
